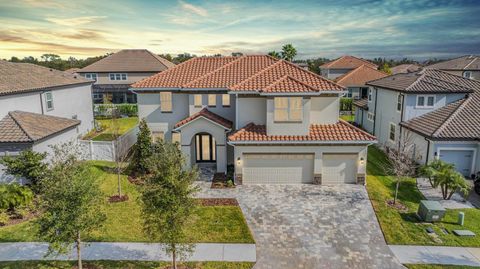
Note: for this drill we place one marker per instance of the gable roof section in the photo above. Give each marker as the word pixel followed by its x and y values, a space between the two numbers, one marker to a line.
pixel 347 62
pixel 205 113
pixel 361 103
pixel 245 73
pixel 405 68
pixel 321 133
pixel 25 127
pixel 426 81
pixel 25 77
pixel 467 62
pixel 359 76
pixel 130 60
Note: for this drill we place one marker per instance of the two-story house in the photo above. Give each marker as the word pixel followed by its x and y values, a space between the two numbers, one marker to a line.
pixel 275 122
pixel 352 73
pixel 467 66
pixel 40 107
pixel 114 74
pixel 435 111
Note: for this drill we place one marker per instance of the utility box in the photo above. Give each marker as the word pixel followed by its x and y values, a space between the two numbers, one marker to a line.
pixel 430 211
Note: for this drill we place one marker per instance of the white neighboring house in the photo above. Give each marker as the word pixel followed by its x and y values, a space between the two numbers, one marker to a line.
pixel 467 66
pixel 40 106
pixel 437 111
pixel 273 121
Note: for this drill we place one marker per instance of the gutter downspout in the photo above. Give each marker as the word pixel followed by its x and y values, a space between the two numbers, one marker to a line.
pixel 401 120
pixel 428 150
pixel 375 113
pixel 41 103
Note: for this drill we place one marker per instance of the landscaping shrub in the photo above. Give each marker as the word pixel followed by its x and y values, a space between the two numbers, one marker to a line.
pixel 105 110
pixel 142 150
pixel 4 218
pixel 29 164
pixel 13 196
pixel 346 104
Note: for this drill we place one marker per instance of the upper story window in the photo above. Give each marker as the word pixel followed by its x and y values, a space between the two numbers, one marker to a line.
pixel 225 99
pixel 370 116
pixel 425 101
pixel 166 101
pixel 391 134
pixel 370 93
pixel 118 76
pixel 157 136
pixel 212 100
pixel 288 109
pixel 467 74
pixel 92 76
pixel 399 102
pixel 197 100
pixel 49 100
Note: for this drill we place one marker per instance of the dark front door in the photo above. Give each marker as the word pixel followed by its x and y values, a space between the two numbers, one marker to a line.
pixel 205 148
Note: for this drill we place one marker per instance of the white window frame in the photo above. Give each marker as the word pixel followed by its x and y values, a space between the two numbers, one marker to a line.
pixel 212 100
pixel 157 136
pixel 90 76
pixel 370 93
pixel 118 76
pixel 226 100
pixel 390 132
pixel 166 102
pixel 197 100
pixel 469 74
pixel 288 110
pixel 47 100
pixel 425 102
pixel 399 103
pixel 370 116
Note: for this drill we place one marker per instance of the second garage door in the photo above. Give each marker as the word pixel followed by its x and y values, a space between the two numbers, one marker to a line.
pixel 462 159
pixel 278 168
pixel 339 168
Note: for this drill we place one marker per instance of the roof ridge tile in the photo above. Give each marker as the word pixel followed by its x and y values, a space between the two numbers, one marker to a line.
pixel 213 71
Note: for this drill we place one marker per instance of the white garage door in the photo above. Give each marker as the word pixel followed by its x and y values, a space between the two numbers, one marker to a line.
pixel 462 159
pixel 277 168
pixel 339 168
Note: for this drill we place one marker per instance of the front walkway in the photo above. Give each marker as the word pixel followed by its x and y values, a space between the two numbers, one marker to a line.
pixel 437 255
pixel 129 252
pixel 456 202
pixel 311 226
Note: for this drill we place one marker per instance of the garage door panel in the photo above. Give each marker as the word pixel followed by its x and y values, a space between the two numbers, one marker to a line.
pixel 462 159
pixel 278 168
pixel 339 168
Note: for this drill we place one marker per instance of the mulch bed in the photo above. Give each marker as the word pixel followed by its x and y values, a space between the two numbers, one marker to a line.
pixel 217 201
pixel 398 206
pixel 117 198
pixel 220 182
pixel 17 220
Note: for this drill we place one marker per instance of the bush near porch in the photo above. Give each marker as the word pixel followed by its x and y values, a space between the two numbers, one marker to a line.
pixel 403 227
pixel 211 224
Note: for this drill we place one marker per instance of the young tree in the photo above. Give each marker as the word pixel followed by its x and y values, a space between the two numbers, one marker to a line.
pixel 121 148
pixel 444 175
pixel 167 199
pixel 29 164
pixel 432 170
pixel 289 52
pixel 142 150
pixel 71 202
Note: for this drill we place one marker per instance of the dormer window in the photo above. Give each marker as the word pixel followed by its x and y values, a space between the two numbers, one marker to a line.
pixel 288 109
pixel 118 76
pixel 467 74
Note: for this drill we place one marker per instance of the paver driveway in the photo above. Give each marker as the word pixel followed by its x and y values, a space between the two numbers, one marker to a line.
pixel 310 226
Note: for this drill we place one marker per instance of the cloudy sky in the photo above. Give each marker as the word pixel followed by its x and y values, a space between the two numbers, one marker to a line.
pixel 367 28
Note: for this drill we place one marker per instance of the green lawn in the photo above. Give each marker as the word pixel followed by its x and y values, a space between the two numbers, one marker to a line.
pixel 210 224
pixel 120 265
pixel 124 124
pixel 438 266
pixel 404 228
pixel 348 117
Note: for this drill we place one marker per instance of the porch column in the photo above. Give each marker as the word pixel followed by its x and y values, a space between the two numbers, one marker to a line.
pixel 221 158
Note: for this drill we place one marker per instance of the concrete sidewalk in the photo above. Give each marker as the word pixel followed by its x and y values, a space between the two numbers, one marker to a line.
pixel 129 251
pixel 436 255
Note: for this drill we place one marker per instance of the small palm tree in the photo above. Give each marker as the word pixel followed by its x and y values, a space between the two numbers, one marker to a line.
pixel 289 52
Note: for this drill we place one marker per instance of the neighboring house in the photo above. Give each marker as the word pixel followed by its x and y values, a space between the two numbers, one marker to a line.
pixel 342 66
pixel 114 74
pixel 434 110
pixel 467 66
pixel 275 122
pixel 355 80
pixel 40 107
pixel 405 68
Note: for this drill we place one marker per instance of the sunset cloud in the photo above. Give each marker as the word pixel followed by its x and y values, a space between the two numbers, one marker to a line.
pixel 74 21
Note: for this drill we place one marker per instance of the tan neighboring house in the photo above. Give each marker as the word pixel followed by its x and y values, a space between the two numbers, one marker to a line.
pixel 405 68
pixel 467 66
pixel 355 80
pixel 114 74
pixel 343 65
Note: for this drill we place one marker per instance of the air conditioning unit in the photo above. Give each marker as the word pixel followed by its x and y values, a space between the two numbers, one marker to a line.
pixel 430 211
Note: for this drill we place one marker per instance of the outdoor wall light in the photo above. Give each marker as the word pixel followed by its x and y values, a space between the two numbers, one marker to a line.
pixel 239 161
pixel 362 161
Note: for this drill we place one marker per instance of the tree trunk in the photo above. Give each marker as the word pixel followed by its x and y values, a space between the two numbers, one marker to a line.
pixel 444 191
pixel 118 179
pixel 396 191
pixel 174 259
pixel 79 251
pixel 451 194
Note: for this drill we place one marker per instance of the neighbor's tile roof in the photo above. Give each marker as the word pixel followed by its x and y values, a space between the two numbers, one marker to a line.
pixel 467 62
pixel 340 131
pixel 426 81
pixel 206 114
pixel 359 76
pixel 20 126
pixel 347 62
pixel 362 103
pixel 25 77
pixel 131 60
pixel 245 73
pixel 405 68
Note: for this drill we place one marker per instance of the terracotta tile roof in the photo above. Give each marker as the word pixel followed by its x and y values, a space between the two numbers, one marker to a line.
pixel 24 77
pixel 359 76
pixel 362 103
pixel 131 60
pixel 206 114
pixel 405 68
pixel 20 126
pixel 244 73
pixel 288 84
pixel 467 62
pixel 426 81
pixel 347 62
pixel 337 132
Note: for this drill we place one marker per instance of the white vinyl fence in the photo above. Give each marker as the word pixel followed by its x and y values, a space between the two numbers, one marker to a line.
pixel 107 150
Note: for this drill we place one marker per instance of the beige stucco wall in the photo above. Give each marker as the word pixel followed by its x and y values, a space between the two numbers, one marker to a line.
pixel 251 109
pixel 288 128
pixel 324 110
